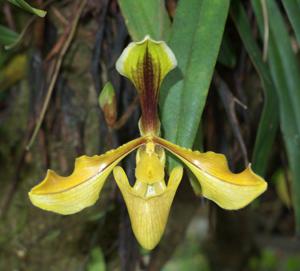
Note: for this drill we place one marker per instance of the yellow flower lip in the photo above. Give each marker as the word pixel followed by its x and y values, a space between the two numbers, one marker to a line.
pixel 149 200
pixel 148 213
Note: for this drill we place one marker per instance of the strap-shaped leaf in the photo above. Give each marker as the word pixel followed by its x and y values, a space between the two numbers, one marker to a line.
pixel 195 40
pixel 25 6
pixel 229 190
pixel 292 8
pixel 68 195
pixel 146 18
pixel 148 214
pixel 285 70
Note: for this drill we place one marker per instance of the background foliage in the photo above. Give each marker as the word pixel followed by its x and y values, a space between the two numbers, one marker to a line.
pixel 236 90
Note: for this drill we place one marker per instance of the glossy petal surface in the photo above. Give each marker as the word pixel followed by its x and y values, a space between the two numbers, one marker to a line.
pixel 229 190
pixel 146 63
pixel 68 195
pixel 148 205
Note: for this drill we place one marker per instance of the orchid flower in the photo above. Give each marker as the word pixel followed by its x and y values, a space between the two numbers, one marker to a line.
pixel 149 200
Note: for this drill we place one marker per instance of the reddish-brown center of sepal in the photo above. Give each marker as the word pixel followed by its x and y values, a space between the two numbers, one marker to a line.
pixel 147 80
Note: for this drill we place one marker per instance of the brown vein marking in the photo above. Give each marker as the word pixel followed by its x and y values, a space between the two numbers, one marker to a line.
pixel 146 77
pixel 169 147
pixel 139 142
pixel 149 92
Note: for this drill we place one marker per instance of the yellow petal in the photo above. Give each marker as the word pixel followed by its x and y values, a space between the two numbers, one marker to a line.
pixel 148 205
pixel 68 195
pixel 229 190
pixel 150 163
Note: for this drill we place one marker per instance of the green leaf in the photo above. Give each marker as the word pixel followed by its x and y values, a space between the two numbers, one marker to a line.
pixel 268 123
pixel 285 72
pixel 25 6
pixel 195 40
pixel 146 18
pixel 282 186
pixel 19 38
pixel 7 36
pixel 292 8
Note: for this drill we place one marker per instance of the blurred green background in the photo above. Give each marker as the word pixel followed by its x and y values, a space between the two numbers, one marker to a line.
pixel 236 91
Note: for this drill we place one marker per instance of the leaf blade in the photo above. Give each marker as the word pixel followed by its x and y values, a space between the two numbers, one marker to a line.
pixel 7 36
pixel 25 6
pixel 139 18
pixel 292 8
pixel 196 59
pixel 285 72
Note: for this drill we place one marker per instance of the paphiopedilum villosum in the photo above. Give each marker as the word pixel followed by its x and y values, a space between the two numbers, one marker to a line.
pixel 148 201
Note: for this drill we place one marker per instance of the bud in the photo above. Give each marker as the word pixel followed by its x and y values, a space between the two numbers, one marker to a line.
pixel 108 104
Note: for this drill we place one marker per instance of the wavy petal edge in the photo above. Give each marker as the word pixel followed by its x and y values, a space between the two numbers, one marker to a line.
pixel 69 195
pixel 229 190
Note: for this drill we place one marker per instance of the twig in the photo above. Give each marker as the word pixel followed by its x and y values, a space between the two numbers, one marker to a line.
pixel 59 16
pixel 97 48
pixel 22 34
pixel 8 16
pixel 122 121
pixel 229 102
pixel 240 103
pixel 57 67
